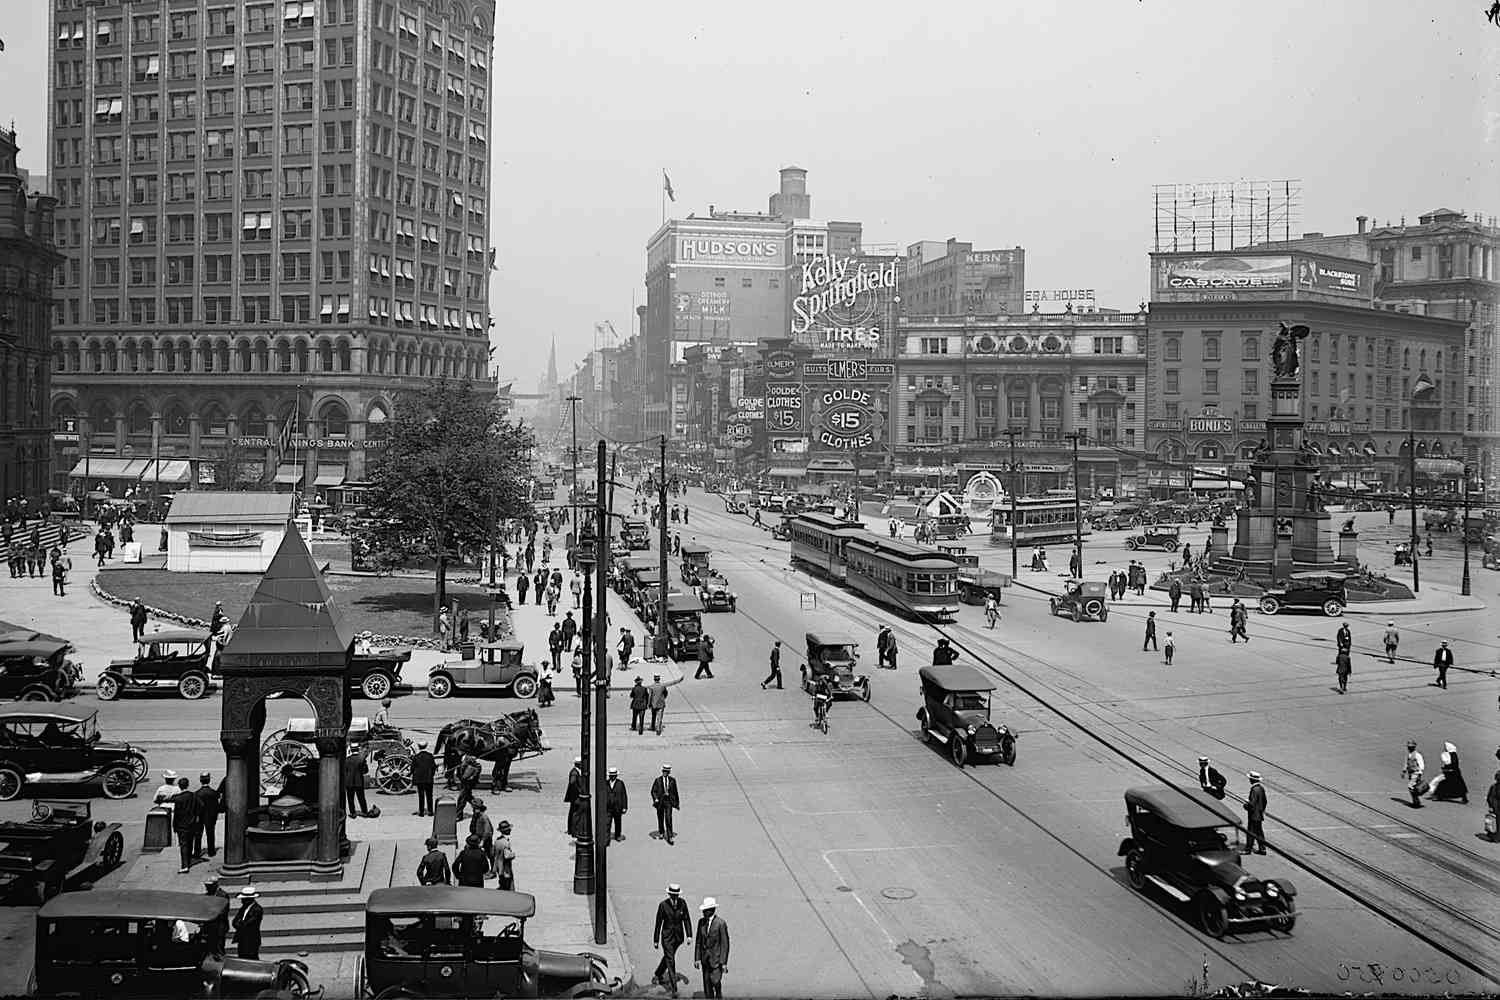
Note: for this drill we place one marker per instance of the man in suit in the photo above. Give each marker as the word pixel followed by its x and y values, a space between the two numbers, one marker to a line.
pixel 1441 661
pixel 247 923
pixel 505 754
pixel 664 798
pixel 571 795
pixel 711 953
pixel 472 864
pixel 640 698
pixel 775 674
pixel 433 868
pixel 185 823
pixel 617 802
pixel 209 806
pixel 673 926
pixel 1210 780
pixel 505 857
pixel 658 695
pixel 1255 816
pixel 423 773
pixel 469 774
pixel 483 827
pixel 354 782
pixel 705 657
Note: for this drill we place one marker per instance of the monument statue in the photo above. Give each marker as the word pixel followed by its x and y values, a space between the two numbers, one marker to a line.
pixel 1348 526
pixel 1285 361
pixel 1252 489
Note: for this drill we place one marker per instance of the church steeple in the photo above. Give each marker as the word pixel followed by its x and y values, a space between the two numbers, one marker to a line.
pixel 552 365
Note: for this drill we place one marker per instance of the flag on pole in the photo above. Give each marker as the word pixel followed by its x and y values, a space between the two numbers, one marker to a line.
pixel 666 183
pixel 284 441
pixel 1423 384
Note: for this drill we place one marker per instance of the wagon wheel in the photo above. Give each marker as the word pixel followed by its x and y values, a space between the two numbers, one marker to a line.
pixel 393 771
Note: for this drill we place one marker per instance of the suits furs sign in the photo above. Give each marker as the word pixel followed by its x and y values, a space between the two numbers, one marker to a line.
pixel 845 299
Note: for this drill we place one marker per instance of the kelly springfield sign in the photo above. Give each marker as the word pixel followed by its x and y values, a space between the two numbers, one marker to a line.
pixel 842 302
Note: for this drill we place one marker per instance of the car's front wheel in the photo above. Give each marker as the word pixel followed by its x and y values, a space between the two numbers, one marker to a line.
pixel 1269 605
pixel 118 782
pixel 1170 545
pixel 440 686
pixel 11 783
pixel 1332 608
pixel 375 686
pixel 1212 916
pixel 36 694
pixel 1135 869
pixel 192 686
pixel 108 688
pixel 524 686
pixel 958 749
pixel 1132 543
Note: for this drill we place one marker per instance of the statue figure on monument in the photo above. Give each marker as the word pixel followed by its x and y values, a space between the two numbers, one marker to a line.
pixel 1285 362
pixel 1348 526
pixel 1313 489
pixel 1252 488
pixel 1262 449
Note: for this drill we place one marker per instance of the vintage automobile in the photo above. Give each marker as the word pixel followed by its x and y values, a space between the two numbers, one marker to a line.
pixel 60 745
pixel 375 671
pixel 1156 536
pixel 627 569
pixel 738 502
pixel 635 534
pixel 38 856
pixel 975 585
pixel 1176 845
pixel 949 525
pixel 1325 592
pixel 1082 600
pixel 836 657
pixel 694 563
pixel 684 625
pixel 37 667
pixel 498 668
pixel 439 940
pixel 150 943
pixel 956 712
pixel 163 660
pixel 714 592
pixel 782 532
pixel 388 754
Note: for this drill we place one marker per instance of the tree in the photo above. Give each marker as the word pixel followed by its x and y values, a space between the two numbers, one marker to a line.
pixel 452 467
pixel 230 466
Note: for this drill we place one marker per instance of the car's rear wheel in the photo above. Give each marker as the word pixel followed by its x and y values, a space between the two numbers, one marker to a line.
pixel 439 686
pixel 118 782
pixel 36 694
pixel 295 981
pixel 1135 869
pixel 1132 543
pixel 375 686
pixel 108 688
pixel 1212 916
pixel 524 686
pixel 1104 615
pixel 1269 605
pixel 1170 545
pixel 1332 608
pixel 1289 919
pixel 113 852
pixel 1052 604
pixel 11 783
pixel 192 686
pixel 958 749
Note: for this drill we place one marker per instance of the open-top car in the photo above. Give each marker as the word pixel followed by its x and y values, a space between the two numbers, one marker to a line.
pixel 1325 592
pixel 1177 845
pixel 1156 536
pixel 150 943
pixel 738 501
pixel 835 655
pixel 374 671
pixel 636 534
pixel 439 940
pixel 498 668
pixel 35 667
pixel 714 592
pixel 164 660
pixel 39 855
pixel 956 712
pixel 61 745
pixel 1082 600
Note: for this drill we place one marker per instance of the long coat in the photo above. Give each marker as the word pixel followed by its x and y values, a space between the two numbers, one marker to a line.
pixel 423 768
pixel 617 799
pixel 247 929
pixel 712 947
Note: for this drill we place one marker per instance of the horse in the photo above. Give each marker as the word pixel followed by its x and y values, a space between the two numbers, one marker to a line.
pixel 521 731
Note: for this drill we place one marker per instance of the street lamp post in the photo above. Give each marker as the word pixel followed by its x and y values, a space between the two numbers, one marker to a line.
pixel 1076 437
pixel 1464 586
pixel 573 493
pixel 602 513
pixel 1015 563
pixel 1411 488
pixel 583 851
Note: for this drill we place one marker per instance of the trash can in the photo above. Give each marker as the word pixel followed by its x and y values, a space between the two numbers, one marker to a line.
pixel 158 829
pixel 445 820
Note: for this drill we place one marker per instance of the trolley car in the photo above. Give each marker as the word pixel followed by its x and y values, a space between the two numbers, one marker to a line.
pixel 913 578
pixel 818 542
pixel 1038 520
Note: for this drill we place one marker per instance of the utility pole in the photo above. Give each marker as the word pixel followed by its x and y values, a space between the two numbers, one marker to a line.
pixel 661 605
pixel 583 848
pixel 1015 564
pixel 1465 587
pixel 600 639
pixel 1075 437
pixel 573 493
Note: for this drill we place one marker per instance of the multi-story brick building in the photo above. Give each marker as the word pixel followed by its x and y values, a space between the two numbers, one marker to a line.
pixel 954 279
pixel 27 262
pixel 271 211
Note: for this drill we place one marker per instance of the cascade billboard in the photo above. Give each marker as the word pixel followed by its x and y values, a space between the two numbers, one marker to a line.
pixel 1188 276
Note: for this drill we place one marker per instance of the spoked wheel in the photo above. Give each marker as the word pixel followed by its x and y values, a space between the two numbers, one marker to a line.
pixel 118 782
pixel 11 783
pixel 280 755
pixel 393 772
pixel 192 686
pixel 295 981
pixel 139 766
pixel 1212 916
pixel 36 694
pixel 524 686
pixel 1135 869
pixel 376 686
pixel 439 686
pixel 108 688
pixel 958 750
pixel 113 852
pixel 1269 605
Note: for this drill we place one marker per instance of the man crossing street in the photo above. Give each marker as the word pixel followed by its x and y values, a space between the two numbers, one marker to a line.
pixel 1150 641
pixel 775 674
pixel 711 952
pixel 1441 661
pixel 665 798
pixel 1255 816
pixel 657 695
pixel 705 657
pixel 674 925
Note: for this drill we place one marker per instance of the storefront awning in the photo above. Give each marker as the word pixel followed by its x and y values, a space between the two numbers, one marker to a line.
pixel 288 474
pixel 172 470
pixel 918 470
pixel 1217 484
pixel 831 465
pixel 329 475
pixel 787 471
pixel 1332 449
pixel 108 468
pixel 1440 467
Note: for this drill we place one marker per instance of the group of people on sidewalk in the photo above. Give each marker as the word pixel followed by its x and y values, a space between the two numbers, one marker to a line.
pixel 195 815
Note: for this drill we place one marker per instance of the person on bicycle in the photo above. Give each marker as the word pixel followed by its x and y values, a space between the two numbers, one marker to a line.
pixel 991 610
pixel 822 698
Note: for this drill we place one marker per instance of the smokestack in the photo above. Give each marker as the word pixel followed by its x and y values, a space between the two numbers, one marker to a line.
pixel 1361 219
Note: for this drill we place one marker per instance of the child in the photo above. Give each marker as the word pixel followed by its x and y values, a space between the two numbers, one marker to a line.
pixel 1168 647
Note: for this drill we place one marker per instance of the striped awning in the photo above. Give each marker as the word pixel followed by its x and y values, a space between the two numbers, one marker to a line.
pixel 787 471
pixel 288 474
pixel 168 470
pixel 108 468
pixel 329 475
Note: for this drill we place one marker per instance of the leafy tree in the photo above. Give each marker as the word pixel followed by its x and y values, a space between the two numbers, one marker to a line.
pixel 451 468
pixel 230 466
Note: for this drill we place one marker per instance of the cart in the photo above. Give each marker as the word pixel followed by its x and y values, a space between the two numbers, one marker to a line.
pixel 389 756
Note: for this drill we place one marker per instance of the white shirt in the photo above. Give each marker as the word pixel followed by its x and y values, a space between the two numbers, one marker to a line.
pixel 164 794
pixel 1414 763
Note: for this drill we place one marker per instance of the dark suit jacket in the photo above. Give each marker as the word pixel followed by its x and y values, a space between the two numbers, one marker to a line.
pixel 712 947
pixel 1255 803
pixel 434 870
pixel 247 924
pixel 673 924
pixel 575 785
pixel 209 803
pixel 664 792
pixel 423 768
pixel 1442 658
pixel 184 810
pixel 354 770
pixel 617 799
pixel 639 698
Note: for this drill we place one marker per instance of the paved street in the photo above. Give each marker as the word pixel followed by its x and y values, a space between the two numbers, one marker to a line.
pixel 863 863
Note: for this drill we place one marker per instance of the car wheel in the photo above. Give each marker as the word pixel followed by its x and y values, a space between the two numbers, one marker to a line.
pixel 118 782
pixel 1212 916
pixel 1093 608
pixel 1135 869
pixel 1269 605
pixel 958 749
pixel 375 686
pixel 1332 608
pixel 1288 919
pixel 1170 545
pixel 1132 544
pixel 864 691
pixel 1052 605
pixel 399 992
pixel 439 686
pixel 108 688
pixel 1104 615
pixel 11 783
pixel 35 694
pixel 113 853
pixel 295 983
pixel 524 686
pixel 192 686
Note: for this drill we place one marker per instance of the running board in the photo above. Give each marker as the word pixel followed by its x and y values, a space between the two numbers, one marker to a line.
pixel 1169 889
pixel 934 734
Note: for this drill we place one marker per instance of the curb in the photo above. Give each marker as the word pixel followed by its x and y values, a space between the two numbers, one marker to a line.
pixel 1353 608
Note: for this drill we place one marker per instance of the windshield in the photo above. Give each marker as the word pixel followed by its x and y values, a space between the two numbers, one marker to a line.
pixel 970 701
pixel 446 935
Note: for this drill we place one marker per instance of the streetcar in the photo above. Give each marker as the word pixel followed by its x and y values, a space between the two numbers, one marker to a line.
pixel 818 541
pixel 1039 520
pixel 913 578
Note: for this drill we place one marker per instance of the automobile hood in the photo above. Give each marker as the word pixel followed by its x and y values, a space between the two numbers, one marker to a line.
pixel 1224 866
pixel 560 970
pixel 976 719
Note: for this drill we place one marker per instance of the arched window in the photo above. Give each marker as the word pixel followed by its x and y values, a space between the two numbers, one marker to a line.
pixel 102 417
pixel 75 359
pixel 95 356
pixel 185 355
pixel 64 417
pixel 1370 354
pixel 302 356
pixel 243 351
pixel 214 421
pixel 168 357
pixel 1333 348
pixel 221 354
pixel 325 356
pixel 206 360
pixel 132 357
pixel 345 357
pixel 253 421
pixel 138 421
pixel 1439 359
pixel 262 356
pixel 283 356
pixel 375 419
pixel 1405 357
pixel 1422 360
pixel 175 421
pixel 335 418
pixel 111 356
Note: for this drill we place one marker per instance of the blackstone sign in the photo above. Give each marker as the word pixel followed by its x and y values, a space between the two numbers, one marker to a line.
pixel 844 298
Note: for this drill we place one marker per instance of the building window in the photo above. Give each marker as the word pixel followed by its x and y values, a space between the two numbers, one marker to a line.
pixel 1252 382
pixel 1174 349
pixel 1250 348
pixel 1416 253
pixel 1109 345
pixel 1211 349
pixel 1171 383
pixel 1211 381
pixel 934 345
pixel 719 282
pixel 1251 411
pixel 1170 409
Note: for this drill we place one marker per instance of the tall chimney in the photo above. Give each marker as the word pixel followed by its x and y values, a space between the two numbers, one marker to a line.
pixel 1361 219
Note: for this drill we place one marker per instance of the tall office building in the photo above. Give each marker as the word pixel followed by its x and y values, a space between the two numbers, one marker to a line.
pixel 276 217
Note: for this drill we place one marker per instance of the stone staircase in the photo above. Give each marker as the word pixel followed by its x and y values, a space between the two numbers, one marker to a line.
pixel 325 917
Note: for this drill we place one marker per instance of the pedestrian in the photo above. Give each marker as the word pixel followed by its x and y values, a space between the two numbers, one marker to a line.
pixel 1441 661
pixel 639 699
pixel 943 654
pixel 59 578
pixel 1449 783
pixel 665 799
pixel 1255 815
pixel 575 587
pixel 1392 640
pixel 555 645
pixel 616 801
pixel 1187 555
pixel 1412 771
pixel 1210 780
pixel 711 952
pixel 247 924
pixel 625 647
pixel 523 583
pixel 885 647
pixel 1150 640
pixel 166 790
pixel 1237 617
pixel 674 926
pixel 471 864
pixel 569 630
pixel 1174 591
pixel 1343 667
pixel 577 667
pixel 1195 597
pixel 423 773
pixel 571 796
pixel 1168 648
pixel 705 657
pixel 211 888
pixel 209 807
pixel 433 868
pixel 539 586
pixel 137 620
pixel 552 598
pixel 184 823
pixel 355 769
pixel 468 779
pixel 775 674
pixel 481 826
pixel 505 857
pixel 1344 638
pixel 505 755
pixel 1492 803
pixel 657 693
pixel 1075 564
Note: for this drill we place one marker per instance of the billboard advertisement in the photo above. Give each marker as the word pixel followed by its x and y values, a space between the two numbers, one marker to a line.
pixel 713 304
pixel 1224 273
pixel 1349 278
pixel 784 407
pixel 847 418
pixel 842 302
pixel 730 250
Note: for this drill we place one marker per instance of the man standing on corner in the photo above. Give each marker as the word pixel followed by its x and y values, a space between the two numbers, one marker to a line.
pixel 208 816
pixel 1255 816
pixel 1441 661
pixel 617 802
pixel 423 773
pixel 247 924
pixel 711 952
pixel 673 926
pixel 137 620
pixel 664 797
pixel 658 695
pixel 185 823
pixel 775 674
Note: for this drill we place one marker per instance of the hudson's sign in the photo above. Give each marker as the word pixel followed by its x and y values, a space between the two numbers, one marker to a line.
pixel 733 250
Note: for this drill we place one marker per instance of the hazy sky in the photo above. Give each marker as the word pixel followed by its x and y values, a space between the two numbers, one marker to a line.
pixel 1042 126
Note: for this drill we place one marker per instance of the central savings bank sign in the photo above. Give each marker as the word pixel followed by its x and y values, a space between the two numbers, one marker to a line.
pixel 844 298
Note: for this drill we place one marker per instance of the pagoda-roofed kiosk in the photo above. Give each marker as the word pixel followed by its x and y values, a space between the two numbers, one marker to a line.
pixel 291 640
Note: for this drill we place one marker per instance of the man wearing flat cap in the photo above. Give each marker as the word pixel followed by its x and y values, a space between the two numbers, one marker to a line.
pixel 664 798
pixel 1255 816
pixel 673 926
pixel 711 953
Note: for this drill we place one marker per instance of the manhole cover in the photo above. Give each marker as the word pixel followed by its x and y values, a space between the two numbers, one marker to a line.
pixel 898 892
pixel 714 737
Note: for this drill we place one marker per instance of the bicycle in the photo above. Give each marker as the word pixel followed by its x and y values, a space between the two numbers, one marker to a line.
pixel 820 714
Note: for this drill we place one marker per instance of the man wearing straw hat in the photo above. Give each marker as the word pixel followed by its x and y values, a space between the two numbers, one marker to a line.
pixel 673 927
pixel 711 953
pixel 247 923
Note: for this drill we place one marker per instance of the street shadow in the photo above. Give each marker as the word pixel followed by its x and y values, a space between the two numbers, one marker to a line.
pixel 1405 802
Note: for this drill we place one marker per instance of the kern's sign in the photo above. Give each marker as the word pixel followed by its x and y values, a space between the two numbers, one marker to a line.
pixel 845 298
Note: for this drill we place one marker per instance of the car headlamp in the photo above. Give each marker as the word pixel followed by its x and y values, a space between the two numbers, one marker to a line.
pixel 972 730
pixel 1272 889
pixel 1239 894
